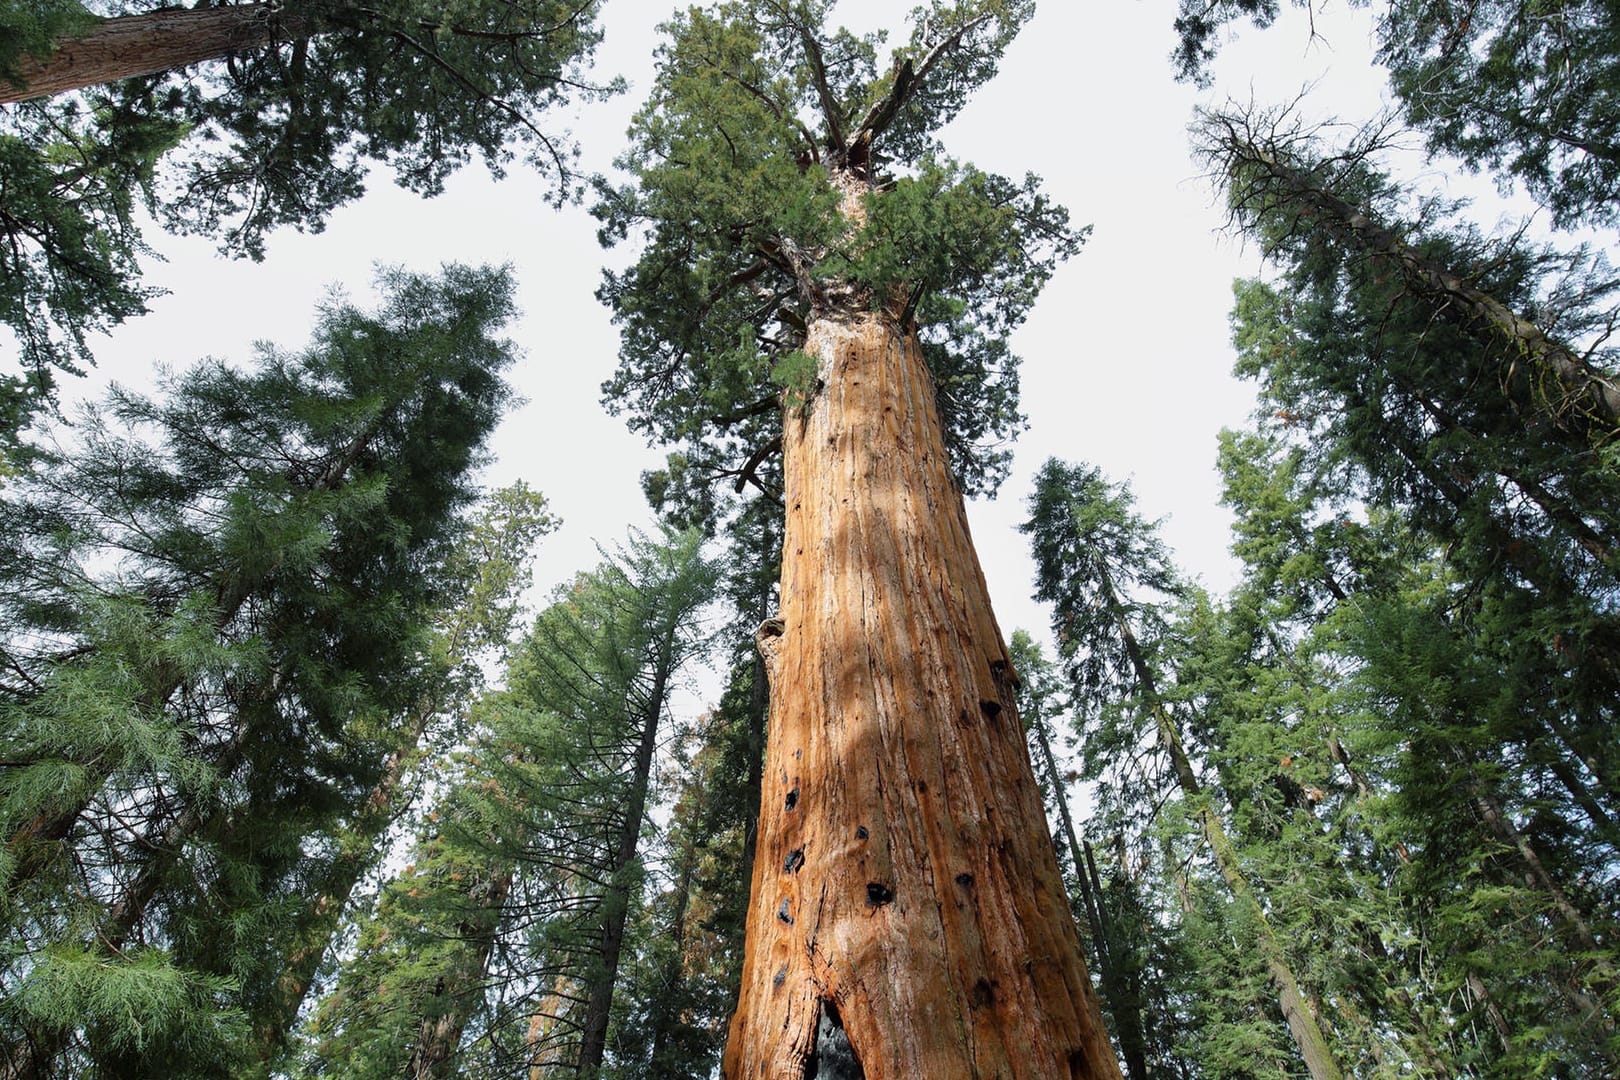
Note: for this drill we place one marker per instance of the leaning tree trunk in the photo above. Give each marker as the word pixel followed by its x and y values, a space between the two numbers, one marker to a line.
pixel 1296 1006
pixel 907 916
pixel 616 901
pixel 144 44
pixel 1576 394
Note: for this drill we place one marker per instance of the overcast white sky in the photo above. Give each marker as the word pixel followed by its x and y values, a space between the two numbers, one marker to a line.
pixel 1127 360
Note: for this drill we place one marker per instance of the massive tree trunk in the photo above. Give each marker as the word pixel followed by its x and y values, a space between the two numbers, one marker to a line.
pixel 154 41
pixel 907 917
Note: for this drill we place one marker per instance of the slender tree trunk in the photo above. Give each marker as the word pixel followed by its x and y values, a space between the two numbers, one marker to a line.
pixel 1127 1021
pixel 665 1019
pixel 324 914
pixel 1088 899
pixel 616 904
pixel 459 992
pixel 1499 1024
pixel 1598 763
pixel 1536 873
pixel 1124 962
pixel 1296 1007
pixel 154 41
pixel 1601 821
pixel 907 918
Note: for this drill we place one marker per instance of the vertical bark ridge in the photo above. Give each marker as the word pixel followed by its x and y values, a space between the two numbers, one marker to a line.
pixel 149 42
pixel 904 872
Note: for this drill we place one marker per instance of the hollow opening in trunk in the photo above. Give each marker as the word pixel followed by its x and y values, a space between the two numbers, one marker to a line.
pixel 833 1058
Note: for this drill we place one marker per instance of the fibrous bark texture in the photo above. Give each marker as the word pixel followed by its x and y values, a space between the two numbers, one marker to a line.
pixel 163 40
pixel 907 917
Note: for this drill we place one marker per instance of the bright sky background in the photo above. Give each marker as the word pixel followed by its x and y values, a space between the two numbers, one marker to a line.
pixel 1126 357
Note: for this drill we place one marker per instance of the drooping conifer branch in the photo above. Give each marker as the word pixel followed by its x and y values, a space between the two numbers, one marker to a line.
pixel 1267 178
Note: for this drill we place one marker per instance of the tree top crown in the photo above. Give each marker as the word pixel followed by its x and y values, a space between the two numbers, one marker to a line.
pixel 782 174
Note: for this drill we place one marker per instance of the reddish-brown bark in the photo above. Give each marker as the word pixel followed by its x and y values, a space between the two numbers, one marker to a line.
pixel 153 41
pixel 905 882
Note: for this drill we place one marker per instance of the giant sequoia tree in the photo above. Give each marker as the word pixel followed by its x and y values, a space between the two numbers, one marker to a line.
pixel 818 279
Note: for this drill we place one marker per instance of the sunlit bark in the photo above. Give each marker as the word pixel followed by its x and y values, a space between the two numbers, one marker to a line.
pixel 907 907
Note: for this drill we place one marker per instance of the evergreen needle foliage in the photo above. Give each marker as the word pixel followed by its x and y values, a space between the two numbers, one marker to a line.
pixel 219 605
pixel 276 124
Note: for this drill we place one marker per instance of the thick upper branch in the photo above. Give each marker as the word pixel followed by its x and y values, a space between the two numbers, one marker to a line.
pixel 818 74
pixel 144 44
pixel 907 78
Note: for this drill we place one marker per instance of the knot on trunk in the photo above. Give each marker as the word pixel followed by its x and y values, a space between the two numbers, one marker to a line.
pixel 768 640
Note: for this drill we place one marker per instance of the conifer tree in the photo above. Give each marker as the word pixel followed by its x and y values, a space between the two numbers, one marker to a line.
pixel 1388 689
pixel 1460 388
pixel 818 280
pixel 1100 565
pixel 222 599
pixel 1457 725
pixel 500 946
pixel 679 992
pixel 277 111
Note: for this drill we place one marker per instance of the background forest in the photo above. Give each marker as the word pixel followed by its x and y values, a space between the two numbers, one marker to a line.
pixel 327 749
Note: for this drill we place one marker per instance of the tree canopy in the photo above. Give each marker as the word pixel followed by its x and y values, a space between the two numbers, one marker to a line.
pixel 278 123
pixel 758 119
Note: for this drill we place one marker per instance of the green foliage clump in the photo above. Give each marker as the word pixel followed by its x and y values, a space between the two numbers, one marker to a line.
pixel 782 177
pixel 798 374
pixel 219 607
